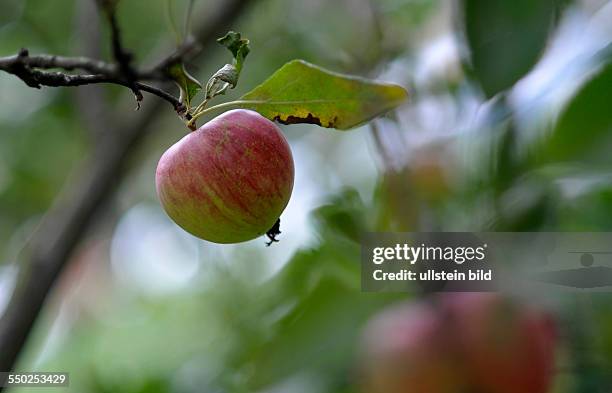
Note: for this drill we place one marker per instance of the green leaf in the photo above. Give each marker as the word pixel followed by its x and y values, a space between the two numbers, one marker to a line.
pixel 227 76
pixel 320 335
pixel 506 38
pixel 188 85
pixel 238 46
pixel 584 129
pixel 300 92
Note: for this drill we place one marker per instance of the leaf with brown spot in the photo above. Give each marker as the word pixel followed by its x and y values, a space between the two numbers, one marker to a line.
pixel 300 92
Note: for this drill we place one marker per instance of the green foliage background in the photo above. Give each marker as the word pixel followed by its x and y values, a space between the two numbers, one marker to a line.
pixel 254 319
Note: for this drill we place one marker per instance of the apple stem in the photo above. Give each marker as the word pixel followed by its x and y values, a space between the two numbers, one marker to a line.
pixel 202 105
pixel 226 105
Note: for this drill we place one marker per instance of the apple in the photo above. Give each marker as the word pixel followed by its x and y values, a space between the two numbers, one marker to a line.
pixel 459 342
pixel 406 350
pixel 228 181
pixel 506 346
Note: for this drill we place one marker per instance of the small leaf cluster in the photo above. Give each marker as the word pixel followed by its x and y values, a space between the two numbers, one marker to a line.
pixel 298 92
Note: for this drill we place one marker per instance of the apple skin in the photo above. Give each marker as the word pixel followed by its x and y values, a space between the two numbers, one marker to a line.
pixel 230 180
pixel 507 347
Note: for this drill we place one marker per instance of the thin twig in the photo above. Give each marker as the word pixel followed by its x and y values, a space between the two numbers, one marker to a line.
pixel 25 67
pixel 188 19
pixel 380 145
pixel 19 66
pixel 29 67
pixel 172 21
pixel 73 212
pixel 92 66
pixel 179 107
pixel 91 102
pixel 122 56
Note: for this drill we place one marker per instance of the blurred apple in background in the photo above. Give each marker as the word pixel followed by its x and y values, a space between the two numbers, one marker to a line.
pixel 406 349
pixel 460 342
pixel 505 346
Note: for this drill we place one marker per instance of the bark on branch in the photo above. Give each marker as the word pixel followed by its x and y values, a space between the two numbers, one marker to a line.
pixel 73 211
pixel 92 66
pixel 122 56
pixel 28 69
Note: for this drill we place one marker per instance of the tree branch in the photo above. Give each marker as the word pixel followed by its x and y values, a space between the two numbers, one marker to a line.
pixel 21 66
pixel 92 66
pixel 178 105
pixel 122 56
pixel 73 212
pixel 28 67
pixel 122 73
pixel 90 101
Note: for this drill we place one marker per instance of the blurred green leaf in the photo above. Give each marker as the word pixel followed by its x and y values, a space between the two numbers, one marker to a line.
pixel 11 11
pixel 506 38
pixel 188 85
pixel 321 333
pixel 585 125
pixel 345 214
pixel 300 92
